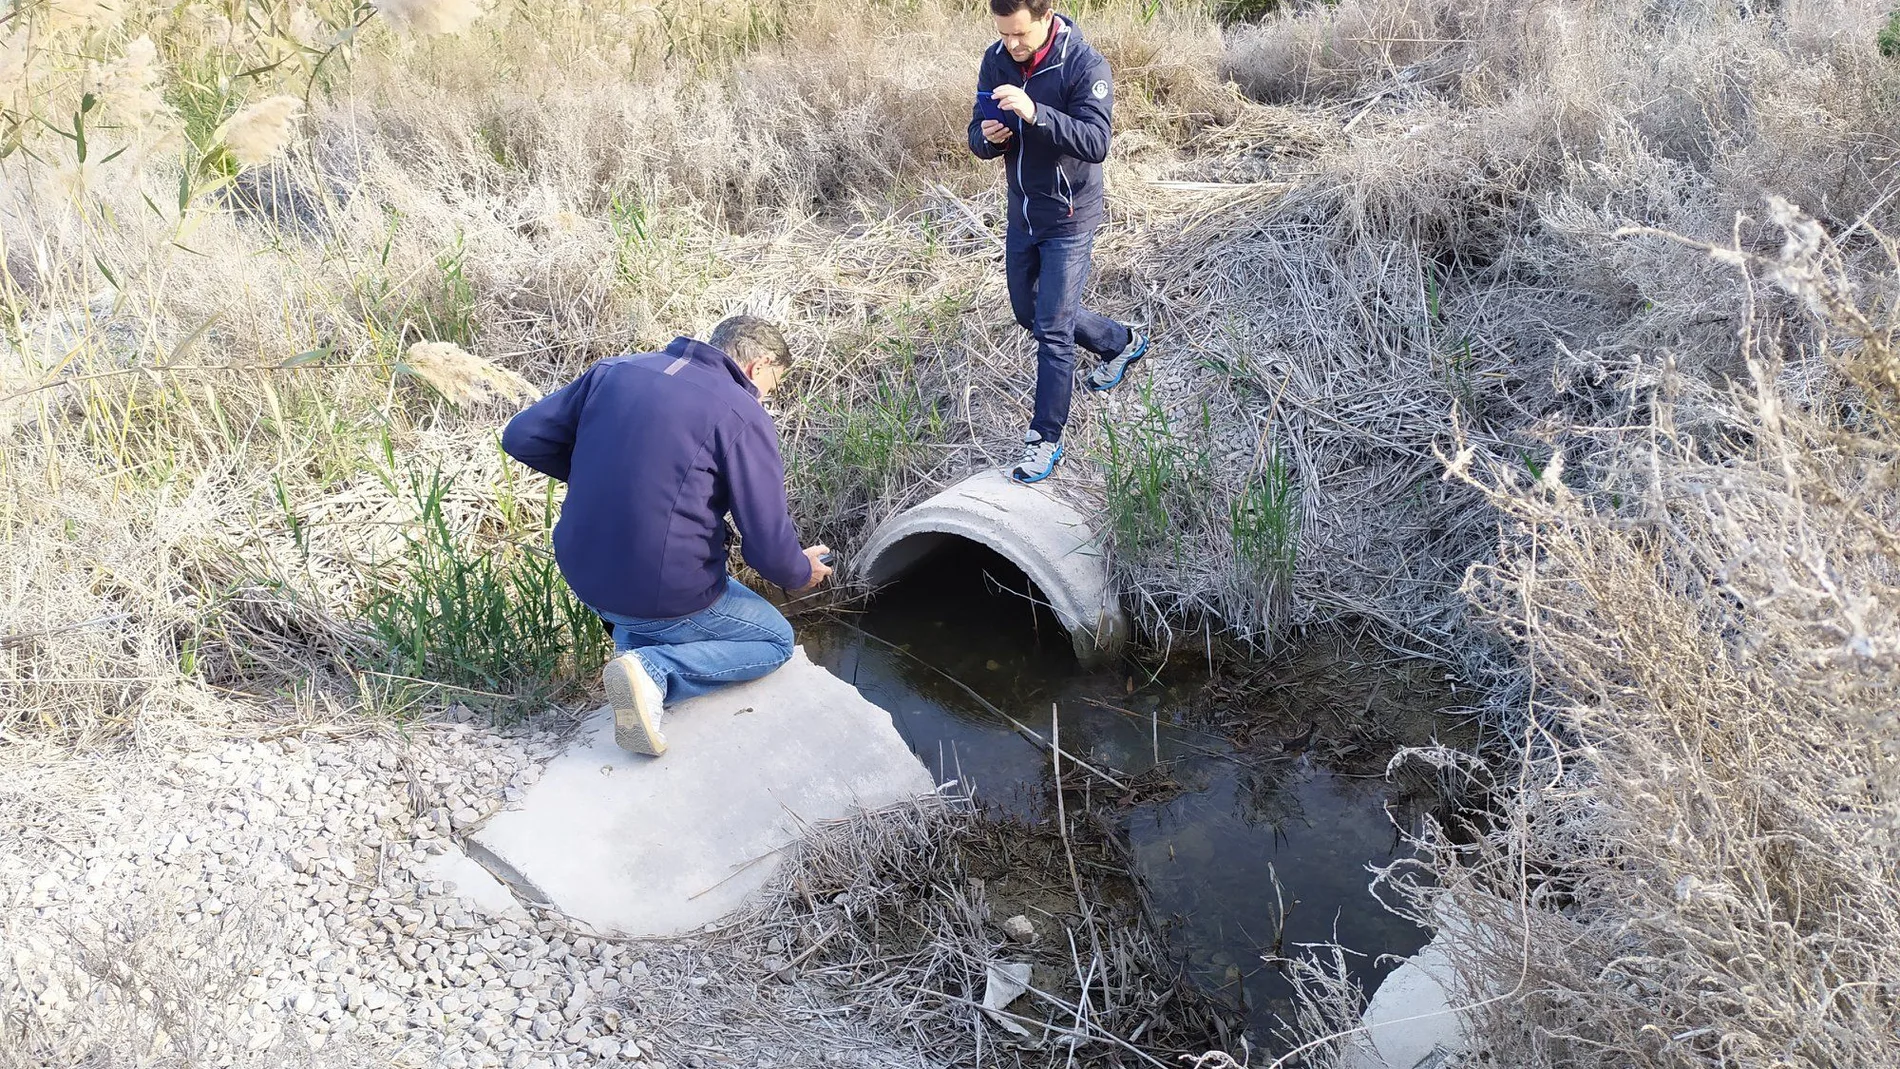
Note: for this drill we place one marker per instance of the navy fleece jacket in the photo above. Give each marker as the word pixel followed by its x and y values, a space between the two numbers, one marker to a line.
pixel 1054 165
pixel 656 449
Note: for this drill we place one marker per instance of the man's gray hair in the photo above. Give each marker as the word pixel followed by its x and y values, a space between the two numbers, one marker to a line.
pixel 749 338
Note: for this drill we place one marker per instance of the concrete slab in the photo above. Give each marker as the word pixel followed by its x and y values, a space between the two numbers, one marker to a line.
pixel 472 883
pixel 661 846
pixel 1042 528
pixel 1410 1021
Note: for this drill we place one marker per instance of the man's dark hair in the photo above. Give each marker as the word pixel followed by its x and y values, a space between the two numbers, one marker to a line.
pixel 749 338
pixel 1038 9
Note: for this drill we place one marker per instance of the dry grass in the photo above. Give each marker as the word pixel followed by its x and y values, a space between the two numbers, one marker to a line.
pixel 1423 243
pixel 897 913
pixel 1408 236
pixel 1697 862
pixel 1443 249
pixel 244 342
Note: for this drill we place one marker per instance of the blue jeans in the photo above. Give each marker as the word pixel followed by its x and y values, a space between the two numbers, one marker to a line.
pixel 1046 275
pixel 739 637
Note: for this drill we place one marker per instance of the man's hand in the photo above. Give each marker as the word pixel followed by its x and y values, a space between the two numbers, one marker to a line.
pixel 995 132
pixel 820 571
pixel 1012 98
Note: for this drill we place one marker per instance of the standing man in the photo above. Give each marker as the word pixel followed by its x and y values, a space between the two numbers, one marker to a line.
pixel 656 449
pixel 1044 101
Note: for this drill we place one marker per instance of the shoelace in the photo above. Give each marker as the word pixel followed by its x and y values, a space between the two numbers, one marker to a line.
pixel 1037 454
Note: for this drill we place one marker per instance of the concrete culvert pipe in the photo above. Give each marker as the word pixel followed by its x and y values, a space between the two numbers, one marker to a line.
pixel 1049 538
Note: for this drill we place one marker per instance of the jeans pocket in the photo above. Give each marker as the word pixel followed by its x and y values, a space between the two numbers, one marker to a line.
pixel 667 632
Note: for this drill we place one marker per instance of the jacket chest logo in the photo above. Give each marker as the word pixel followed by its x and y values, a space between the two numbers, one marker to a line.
pixel 1099 90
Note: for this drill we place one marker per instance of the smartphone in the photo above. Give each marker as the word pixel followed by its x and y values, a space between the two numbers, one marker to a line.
pixel 986 106
pixel 824 559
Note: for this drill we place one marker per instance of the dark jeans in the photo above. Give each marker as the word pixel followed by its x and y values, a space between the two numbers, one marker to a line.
pixel 1045 291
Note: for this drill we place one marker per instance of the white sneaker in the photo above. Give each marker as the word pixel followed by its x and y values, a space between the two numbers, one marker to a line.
pixel 638 705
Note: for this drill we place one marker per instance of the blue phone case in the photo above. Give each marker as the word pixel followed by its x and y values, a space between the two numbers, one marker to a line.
pixel 986 105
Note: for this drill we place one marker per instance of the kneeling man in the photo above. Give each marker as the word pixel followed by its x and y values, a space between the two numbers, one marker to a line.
pixel 656 449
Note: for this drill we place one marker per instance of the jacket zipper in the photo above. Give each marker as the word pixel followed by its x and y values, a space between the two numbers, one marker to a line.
pixel 1022 150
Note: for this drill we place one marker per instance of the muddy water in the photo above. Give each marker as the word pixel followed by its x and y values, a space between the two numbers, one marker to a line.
pixel 1250 824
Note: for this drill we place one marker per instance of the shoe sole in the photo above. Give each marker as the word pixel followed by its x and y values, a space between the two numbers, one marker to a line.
pixel 1046 472
pixel 1139 352
pixel 634 727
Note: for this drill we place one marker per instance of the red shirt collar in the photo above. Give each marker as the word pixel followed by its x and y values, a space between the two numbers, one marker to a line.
pixel 1055 31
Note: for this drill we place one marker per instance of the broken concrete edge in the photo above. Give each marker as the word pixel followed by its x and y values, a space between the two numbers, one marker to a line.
pixel 528 900
pixel 1051 540
pixel 481 878
pixel 505 874
pixel 474 880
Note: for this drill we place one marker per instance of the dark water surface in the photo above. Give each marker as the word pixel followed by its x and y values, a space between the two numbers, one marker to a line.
pixel 1240 846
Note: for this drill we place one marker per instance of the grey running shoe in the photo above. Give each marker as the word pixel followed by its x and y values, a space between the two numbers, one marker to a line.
pixel 1109 373
pixel 1038 459
pixel 638 705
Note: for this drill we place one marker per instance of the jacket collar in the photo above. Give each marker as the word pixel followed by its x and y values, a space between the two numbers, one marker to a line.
pixel 1048 47
pixel 1060 38
pixel 701 353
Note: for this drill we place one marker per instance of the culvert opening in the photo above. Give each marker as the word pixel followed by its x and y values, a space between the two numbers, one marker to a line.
pixel 1048 536
pixel 940 584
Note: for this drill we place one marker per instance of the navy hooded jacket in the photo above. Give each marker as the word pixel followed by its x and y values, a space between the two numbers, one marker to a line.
pixel 655 450
pixel 1054 164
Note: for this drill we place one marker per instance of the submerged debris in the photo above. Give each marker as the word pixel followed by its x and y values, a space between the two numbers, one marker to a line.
pixel 895 914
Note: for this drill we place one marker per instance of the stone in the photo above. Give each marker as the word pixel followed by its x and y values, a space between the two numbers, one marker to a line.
pixel 1020 929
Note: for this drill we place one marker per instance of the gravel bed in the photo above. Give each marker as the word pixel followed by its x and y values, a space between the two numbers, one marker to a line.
pixel 265 901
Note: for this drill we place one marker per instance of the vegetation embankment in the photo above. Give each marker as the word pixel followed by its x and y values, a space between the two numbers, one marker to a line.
pixel 1382 244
